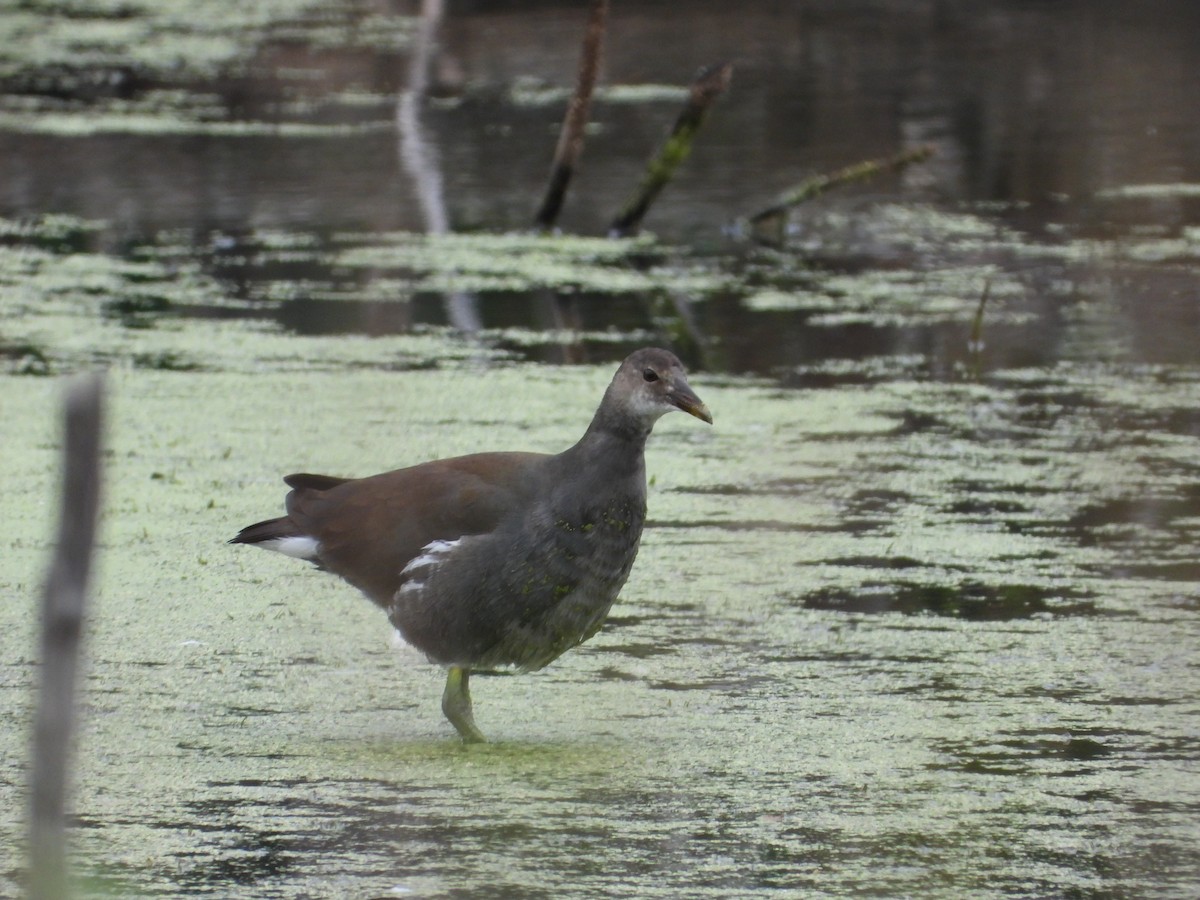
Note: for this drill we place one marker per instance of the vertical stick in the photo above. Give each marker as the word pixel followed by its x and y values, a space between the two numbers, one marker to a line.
pixel 62 624
pixel 570 138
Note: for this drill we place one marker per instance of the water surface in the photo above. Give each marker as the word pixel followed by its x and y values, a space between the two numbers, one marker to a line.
pixel 917 616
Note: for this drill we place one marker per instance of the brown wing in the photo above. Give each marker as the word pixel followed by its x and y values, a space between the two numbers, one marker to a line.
pixel 370 528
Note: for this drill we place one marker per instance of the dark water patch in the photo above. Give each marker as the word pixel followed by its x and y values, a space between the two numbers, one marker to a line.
pixel 861 526
pixel 1186 601
pixel 639 650
pixel 702 640
pixel 917 422
pixel 1184 748
pixel 304 661
pixel 23 358
pixel 876 562
pixel 580 348
pixel 136 311
pixel 1044 409
pixel 980 486
pixel 626 621
pixel 739 686
pixel 716 489
pixel 979 507
pixel 246 712
pixel 760 525
pixel 1124 700
pixel 972 601
pixel 877 501
pixel 1157 513
pixel 310 316
pixel 77 83
pixel 1054 753
pixel 59 234
pixel 869 365
pixel 247 858
pixel 818 380
pixel 852 659
pixel 771 487
pixel 1184 421
pixel 553 329
pixel 1188 570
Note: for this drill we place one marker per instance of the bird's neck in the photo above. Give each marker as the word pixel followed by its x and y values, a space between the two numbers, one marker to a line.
pixel 611 448
pixel 616 434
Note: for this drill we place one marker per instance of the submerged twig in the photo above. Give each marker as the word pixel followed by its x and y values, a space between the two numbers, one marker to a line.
pixel 769 222
pixel 707 87
pixel 62 624
pixel 570 138
pixel 975 342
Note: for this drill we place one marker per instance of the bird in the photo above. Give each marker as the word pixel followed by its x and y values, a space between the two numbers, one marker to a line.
pixel 494 560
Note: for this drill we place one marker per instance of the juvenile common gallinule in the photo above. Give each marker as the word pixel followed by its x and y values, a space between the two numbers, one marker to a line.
pixel 494 559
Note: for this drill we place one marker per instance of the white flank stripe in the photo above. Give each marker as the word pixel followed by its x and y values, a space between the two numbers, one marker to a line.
pixel 431 554
pixel 301 547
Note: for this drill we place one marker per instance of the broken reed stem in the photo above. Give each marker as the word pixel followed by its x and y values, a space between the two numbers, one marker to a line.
pixel 63 604
pixel 707 87
pixel 570 137
pixel 819 184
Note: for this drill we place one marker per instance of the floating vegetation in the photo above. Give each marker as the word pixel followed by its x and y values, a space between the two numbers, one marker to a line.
pixel 533 92
pixel 905 297
pixel 24 359
pixel 969 600
pixel 525 262
pixel 172 40
pixel 136 311
pixel 55 233
pixel 119 121
pixel 528 337
pixel 119 68
pixel 1150 192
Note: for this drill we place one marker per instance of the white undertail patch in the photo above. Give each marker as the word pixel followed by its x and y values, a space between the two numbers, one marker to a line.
pixel 300 546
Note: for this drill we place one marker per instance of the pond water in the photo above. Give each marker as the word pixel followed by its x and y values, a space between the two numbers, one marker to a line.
pixel 918 616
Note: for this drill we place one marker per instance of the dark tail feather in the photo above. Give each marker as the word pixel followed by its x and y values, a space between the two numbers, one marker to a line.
pixel 304 481
pixel 284 527
pixel 269 530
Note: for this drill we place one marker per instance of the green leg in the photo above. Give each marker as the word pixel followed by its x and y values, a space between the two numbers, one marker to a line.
pixel 456 704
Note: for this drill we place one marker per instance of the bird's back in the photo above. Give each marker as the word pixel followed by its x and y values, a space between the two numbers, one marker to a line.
pixel 368 530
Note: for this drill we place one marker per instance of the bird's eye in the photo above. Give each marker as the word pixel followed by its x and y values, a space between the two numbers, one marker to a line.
pixel 649 375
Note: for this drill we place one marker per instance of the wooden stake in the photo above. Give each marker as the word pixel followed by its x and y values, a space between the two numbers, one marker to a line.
pixel 63 604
